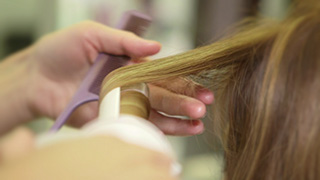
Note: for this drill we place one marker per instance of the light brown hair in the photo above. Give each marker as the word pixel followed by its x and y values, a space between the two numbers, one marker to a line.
pixel 266 80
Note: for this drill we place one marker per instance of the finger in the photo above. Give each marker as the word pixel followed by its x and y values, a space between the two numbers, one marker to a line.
pixel 204 95
pixel 187 87
pixel 174 126
pixel 175 104
pixel 118 42
pixel 83 114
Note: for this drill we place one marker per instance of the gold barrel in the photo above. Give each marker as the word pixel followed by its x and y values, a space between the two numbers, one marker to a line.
pixel 134 100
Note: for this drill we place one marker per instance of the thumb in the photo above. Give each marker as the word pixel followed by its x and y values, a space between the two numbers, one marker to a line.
pixel 117 42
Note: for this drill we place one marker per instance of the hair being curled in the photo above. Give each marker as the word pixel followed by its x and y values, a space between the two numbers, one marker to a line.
pixel 266 80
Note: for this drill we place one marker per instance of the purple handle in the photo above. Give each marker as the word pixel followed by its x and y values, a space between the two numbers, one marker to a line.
pixel 90 88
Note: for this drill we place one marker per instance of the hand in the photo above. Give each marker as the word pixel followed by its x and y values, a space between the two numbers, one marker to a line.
pixel 61 60
pixel 44 77
pixel 98 157
pixel 179 97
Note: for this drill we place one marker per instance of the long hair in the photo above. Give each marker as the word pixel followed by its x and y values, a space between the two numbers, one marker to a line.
pixel 266 80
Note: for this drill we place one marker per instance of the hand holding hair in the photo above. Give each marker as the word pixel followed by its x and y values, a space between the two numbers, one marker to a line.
pixel 44 77
pixel 179 97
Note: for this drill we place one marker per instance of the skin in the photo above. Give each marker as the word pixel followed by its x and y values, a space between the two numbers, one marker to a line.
pixel 39 82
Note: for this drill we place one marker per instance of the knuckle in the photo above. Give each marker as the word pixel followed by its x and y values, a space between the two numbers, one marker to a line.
pixel 163 102
pixel 87 28
pixel 124 37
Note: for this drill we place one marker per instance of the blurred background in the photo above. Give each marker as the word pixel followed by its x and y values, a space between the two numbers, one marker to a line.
pixel 179 25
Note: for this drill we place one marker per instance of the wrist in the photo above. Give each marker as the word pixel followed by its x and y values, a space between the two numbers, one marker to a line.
pixel 15 76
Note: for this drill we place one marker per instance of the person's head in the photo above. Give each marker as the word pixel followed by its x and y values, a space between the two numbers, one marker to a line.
pixel 266 80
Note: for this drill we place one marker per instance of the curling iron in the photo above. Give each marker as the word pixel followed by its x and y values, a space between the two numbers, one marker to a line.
pixel 105 63
pixel 123 112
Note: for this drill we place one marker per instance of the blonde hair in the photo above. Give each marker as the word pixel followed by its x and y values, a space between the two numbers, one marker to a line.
pixel 266 80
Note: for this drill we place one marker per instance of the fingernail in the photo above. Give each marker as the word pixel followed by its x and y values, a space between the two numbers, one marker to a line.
pixel 195 122
pixel 151 47
pixel 198 127
pixel 205 95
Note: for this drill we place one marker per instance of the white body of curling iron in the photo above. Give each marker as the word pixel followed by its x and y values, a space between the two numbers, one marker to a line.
pixel 123 113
